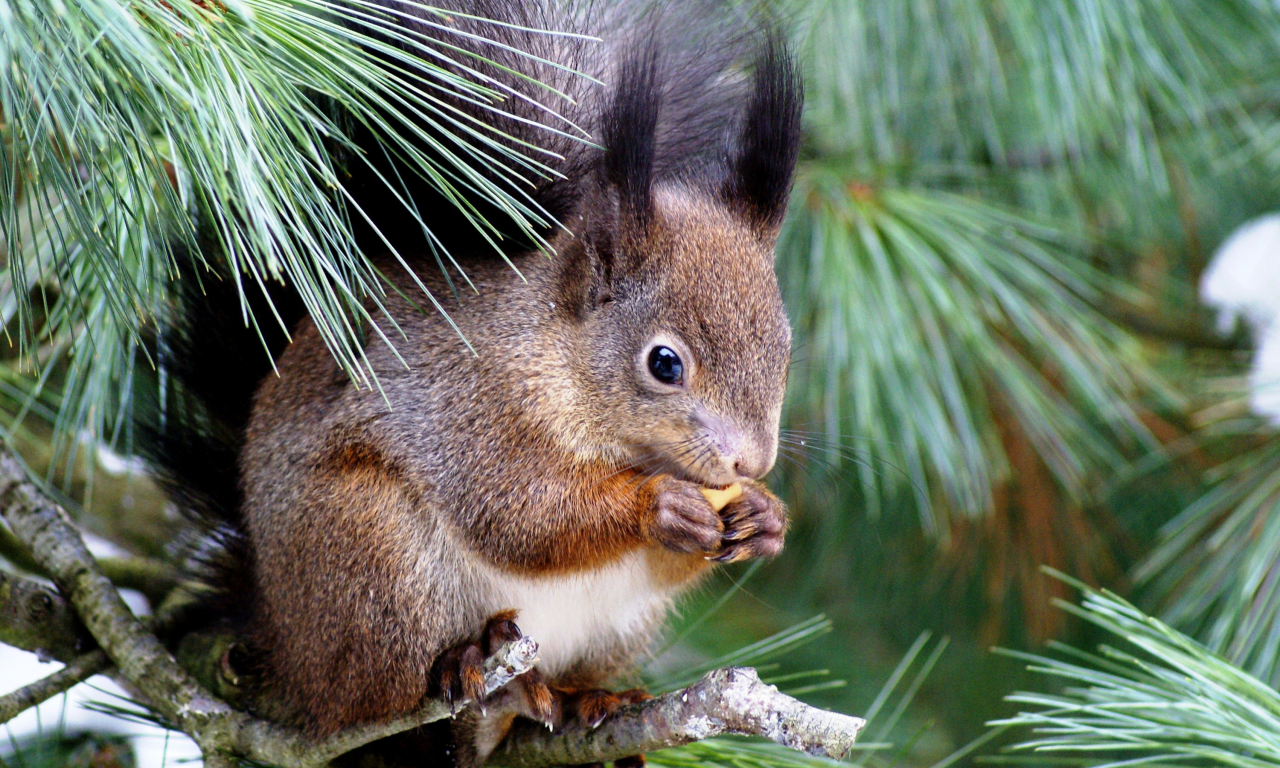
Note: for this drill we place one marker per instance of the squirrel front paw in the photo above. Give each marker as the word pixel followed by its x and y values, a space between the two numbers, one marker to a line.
pixel 755 524
pixel 684 520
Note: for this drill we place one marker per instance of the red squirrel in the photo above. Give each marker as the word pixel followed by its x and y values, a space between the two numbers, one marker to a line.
pixel 538 468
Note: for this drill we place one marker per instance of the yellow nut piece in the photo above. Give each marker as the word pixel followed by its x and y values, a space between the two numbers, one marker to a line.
pixel 719 498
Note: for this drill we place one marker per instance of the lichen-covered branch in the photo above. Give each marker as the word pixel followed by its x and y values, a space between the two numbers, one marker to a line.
pixel 153 578
pixel 35 618
pixel 726 701
pixel 57 547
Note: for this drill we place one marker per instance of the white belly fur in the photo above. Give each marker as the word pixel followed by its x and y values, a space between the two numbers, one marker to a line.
pixel 573 616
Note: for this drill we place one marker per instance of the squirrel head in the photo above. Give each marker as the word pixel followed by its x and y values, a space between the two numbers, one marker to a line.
pixel 685 344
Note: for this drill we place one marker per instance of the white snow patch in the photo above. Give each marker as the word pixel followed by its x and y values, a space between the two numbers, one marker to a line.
pixel 1243 278
pixel 1243 283
pixel 153 746
pixel 100 548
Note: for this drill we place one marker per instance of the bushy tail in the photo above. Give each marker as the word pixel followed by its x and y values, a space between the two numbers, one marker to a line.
pixel 574 58
pixel 191 418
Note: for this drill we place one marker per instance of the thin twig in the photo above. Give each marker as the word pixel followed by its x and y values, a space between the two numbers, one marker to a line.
pixel 726 701
pixel 155 579
pixel 35 694
pixel 13 550
pixel 77 669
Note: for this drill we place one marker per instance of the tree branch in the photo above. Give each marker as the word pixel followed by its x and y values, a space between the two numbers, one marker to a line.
pixel 38 619
pixel 64 635
pixel 56 545
pixel 153 578
pixel 139 656
pixel 726 701
pixel 46 531
pixel 26 697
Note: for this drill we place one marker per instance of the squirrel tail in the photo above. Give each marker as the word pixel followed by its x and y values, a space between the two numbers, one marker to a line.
pixel 579 60
pixel 190 420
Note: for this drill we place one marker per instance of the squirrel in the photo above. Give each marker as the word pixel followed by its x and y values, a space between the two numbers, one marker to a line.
pixel 533 464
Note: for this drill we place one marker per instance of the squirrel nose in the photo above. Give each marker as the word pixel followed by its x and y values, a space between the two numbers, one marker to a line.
pixel 741 453
pixel 754 454
pixel 752 463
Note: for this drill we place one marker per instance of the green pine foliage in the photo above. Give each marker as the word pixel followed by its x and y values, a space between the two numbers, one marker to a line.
pixel 1217 568
pixel 133 128
pixel 1158 698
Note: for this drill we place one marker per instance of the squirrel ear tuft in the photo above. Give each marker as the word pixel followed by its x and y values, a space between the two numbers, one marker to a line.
pixel 769 142
pixel 629 130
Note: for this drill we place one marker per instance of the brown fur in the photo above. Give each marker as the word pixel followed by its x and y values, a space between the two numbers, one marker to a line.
pixel 374 516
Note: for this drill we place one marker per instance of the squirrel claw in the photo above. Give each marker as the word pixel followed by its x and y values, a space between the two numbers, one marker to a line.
pixel 539 702
pixel 755 525
pixel 593 705
pixel 458 674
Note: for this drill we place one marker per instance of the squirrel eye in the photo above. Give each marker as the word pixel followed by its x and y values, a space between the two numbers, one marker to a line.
pixel 666 366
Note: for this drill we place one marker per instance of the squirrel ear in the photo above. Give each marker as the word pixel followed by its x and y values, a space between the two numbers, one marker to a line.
pixel 629 130
pixel 769 142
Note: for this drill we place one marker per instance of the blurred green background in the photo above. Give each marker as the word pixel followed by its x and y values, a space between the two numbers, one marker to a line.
pixel 1002 214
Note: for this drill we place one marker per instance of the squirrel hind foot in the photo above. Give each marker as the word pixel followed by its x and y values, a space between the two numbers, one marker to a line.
pixel 592 705
pixel 458 675
pixel 501 628
pixel 539 704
